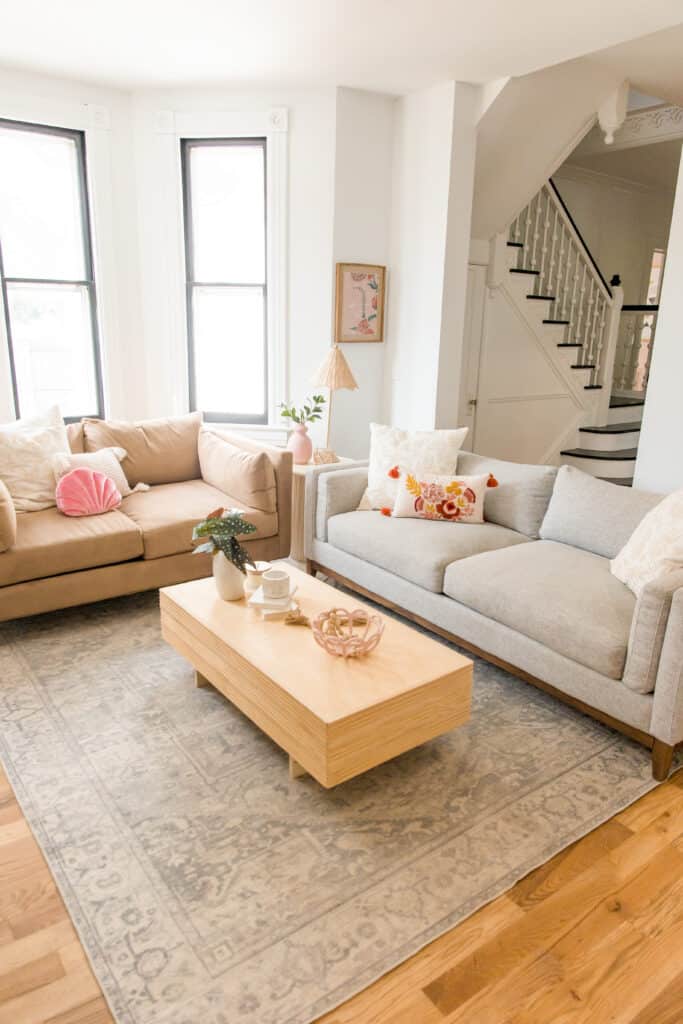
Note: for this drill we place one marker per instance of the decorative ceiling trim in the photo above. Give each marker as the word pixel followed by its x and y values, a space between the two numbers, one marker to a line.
pixel 642 128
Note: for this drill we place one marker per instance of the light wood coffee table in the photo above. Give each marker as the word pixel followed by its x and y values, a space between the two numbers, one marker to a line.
pixel 334 718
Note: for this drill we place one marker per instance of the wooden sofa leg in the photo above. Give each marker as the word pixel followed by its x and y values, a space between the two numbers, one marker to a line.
pixel 310 567
pixel 662 756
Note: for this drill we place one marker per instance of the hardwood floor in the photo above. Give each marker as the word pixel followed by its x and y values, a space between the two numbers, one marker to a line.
pixel 595 936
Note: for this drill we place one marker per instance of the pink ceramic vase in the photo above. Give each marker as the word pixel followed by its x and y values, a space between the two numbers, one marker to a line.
pixel 300 445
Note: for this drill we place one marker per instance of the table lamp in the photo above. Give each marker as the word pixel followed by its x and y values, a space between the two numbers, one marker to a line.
pixel 334 374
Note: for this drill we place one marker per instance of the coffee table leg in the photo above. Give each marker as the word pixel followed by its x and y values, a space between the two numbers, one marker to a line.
pixel 200 680
pixel 295 769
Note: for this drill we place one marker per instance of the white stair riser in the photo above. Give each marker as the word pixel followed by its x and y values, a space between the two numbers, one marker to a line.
pixel 512 256
pixel 608 442
pixel 601 467
pixel 630 414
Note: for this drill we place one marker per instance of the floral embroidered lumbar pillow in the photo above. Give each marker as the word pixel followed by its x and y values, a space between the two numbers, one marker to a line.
pixel 452 498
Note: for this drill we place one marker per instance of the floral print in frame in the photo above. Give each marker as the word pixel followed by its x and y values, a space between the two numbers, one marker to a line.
pixel 360 302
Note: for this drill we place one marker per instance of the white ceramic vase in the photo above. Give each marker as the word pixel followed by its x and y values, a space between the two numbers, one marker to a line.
pixel 229 580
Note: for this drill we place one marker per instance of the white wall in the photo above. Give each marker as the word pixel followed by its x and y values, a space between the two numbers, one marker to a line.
pixel 659 466
pixel 621 221
pixel 362 209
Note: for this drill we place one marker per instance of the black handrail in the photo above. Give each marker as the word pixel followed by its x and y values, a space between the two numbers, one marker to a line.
pixel 580 236
pixel 640 309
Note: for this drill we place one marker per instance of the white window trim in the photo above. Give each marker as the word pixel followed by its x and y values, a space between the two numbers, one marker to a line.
pixel 94 122
pixel 273 126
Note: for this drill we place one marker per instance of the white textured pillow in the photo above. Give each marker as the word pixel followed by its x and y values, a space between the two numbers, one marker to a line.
pixel 655 547
pixel 422 451
pixel 105 460
pixel 27 447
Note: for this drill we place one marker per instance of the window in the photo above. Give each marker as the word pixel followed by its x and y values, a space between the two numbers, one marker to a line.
pixel 224 188
pixel 46 271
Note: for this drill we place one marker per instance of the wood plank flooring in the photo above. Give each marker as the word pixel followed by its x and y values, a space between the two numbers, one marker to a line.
pixel 595 936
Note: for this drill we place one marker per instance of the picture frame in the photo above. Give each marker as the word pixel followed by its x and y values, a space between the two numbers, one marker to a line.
pixel 359 306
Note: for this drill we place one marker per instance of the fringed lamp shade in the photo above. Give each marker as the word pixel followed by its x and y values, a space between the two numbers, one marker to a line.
pixel 335 372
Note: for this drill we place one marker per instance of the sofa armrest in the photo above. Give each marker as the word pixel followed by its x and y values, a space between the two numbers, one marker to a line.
pixel 8 519
pixel 281 461
pixel 338 492
pixel 667 710
pixel 314 476
pixel 648 629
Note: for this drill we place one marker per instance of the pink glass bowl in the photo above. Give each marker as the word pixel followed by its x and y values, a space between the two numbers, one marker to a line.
pixel 347 634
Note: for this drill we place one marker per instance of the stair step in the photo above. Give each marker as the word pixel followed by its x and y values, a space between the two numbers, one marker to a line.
pixel 556 322
pixel 625 455
pixel 612 428
pixel 624 403
pixel 548 298
pixel 523 270
pixel 516 245
pixel 624 481
pixel 569 344
pixel 583 366
pixel 592 387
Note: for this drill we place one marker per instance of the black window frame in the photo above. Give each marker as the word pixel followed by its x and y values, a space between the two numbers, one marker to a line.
pixel 78 137
pixel 186 147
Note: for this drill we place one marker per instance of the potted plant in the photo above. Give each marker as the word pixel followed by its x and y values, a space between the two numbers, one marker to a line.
pixel 221 528
pixel 299 442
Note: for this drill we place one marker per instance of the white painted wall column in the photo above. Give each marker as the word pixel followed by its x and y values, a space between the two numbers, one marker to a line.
pixel 659 466
pixel 432 192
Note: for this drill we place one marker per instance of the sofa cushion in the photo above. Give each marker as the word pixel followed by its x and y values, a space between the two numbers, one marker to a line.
pixel 167 514
pixel 158 451
pixel 49 544
pixel 563 597
pixel 249 476
pixel 521 498
pixel 416 549
pixel 8 520
pixel 593 514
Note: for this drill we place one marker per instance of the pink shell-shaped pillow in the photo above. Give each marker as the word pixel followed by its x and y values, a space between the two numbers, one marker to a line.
pixel 86 492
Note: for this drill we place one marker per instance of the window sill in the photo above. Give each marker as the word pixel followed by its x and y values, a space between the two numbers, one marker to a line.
pixel 265 432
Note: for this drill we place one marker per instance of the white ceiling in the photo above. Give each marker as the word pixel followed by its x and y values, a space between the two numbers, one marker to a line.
pixel 655 166
pixel 387 45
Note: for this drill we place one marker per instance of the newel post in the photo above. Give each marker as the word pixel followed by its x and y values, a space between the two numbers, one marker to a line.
pixel 609 349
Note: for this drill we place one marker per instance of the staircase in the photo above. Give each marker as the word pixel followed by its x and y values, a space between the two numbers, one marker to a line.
pixel 557 283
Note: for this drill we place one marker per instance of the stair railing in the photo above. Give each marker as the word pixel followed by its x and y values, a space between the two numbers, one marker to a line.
pixel 634 347
pixel 552 244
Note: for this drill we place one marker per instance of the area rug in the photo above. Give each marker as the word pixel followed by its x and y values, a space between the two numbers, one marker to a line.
pixel 207 887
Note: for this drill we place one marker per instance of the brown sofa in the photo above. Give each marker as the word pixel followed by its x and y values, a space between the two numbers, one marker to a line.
pixel 49 560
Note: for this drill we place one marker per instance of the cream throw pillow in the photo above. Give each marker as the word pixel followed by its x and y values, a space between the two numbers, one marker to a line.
pixel 27 447
pixel 655 547
pixel 106 460
pixel 421 451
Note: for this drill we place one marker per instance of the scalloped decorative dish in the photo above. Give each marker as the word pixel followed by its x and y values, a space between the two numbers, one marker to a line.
pixel 347 634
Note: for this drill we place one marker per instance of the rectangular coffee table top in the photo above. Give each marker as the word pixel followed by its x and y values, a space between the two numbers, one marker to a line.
pixel 331 688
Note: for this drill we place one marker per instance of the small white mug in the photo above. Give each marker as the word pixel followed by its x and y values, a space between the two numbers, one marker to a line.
pixel 275 583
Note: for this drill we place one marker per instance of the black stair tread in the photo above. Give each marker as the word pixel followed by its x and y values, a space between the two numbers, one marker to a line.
pixel 549 298
pixel 516 245
pixel 624 403
pixel 583 366
pixel 612 428
pixel 523 270
pixel 592 387
pixel 569 344
pixel 556 321
pixel 621 481
pixel 624 455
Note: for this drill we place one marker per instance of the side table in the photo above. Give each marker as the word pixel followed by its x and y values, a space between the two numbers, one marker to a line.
pixel 300 478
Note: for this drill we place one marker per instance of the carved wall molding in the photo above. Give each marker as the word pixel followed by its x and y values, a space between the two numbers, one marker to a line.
pixel 640 128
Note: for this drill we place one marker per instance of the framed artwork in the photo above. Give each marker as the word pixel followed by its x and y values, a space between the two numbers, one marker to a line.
pixel 360 302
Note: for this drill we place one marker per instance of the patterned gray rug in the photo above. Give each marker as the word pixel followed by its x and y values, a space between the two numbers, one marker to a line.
pixel 209 888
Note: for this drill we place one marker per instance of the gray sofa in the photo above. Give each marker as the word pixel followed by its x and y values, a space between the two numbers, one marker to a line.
pixel 530 589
